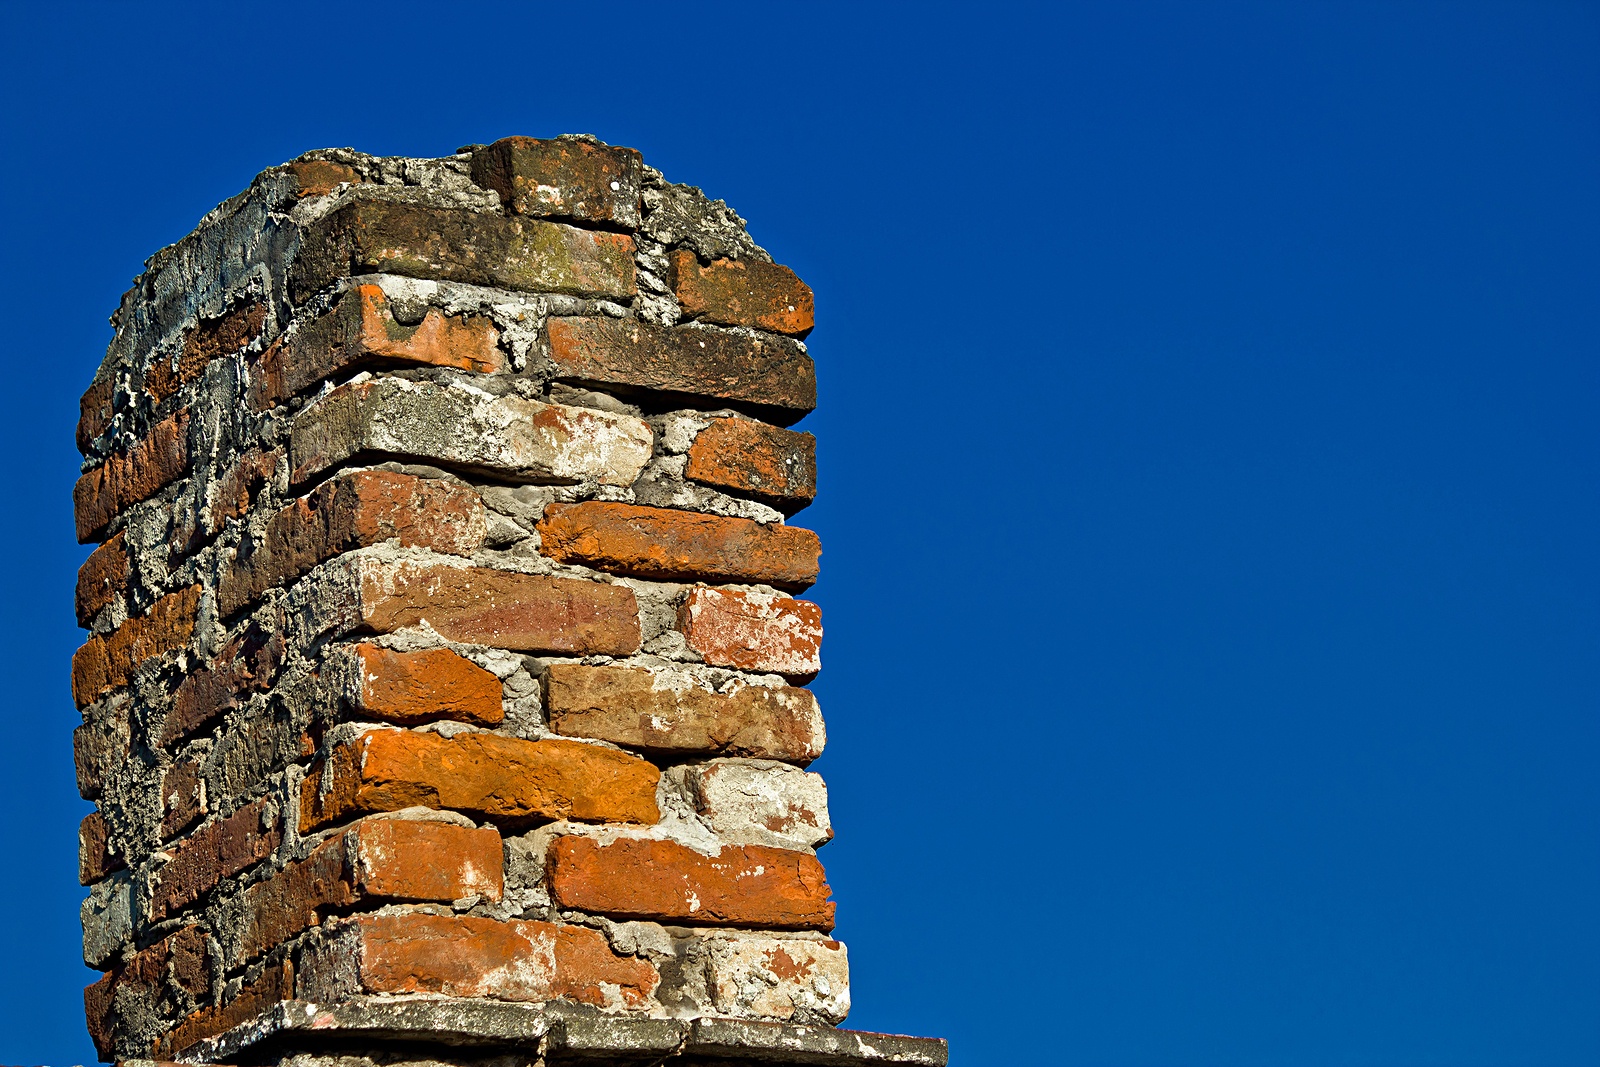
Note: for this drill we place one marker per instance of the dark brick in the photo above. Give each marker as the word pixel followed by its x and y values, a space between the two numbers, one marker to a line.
pixel 563 179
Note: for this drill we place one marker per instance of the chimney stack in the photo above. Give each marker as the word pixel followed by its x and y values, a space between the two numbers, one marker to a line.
pixel 444 694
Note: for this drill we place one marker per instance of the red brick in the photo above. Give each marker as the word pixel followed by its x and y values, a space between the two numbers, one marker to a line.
pixel 743 292
pixel 563 178
pixel 98 748
pixel 224 335
pixel 102 578
pixel 753 631
pixel 773 375
pixel 663 881
pixel 319 177
pixel 349 512
pixel 361 331
pixel 183 797
pixel 218 850
pixel 461 245
pixel 489 776
pixel 375 860
pixel 777 467
pixel 274 984
pixel 624 705
pixel 682 546
pixel 95 411
pixel 520 612
pixel 97 857
pixel 468 956
pixel 107 662
pixel 128 477
pixel 177 961
pixel 412 688
pixel 247 663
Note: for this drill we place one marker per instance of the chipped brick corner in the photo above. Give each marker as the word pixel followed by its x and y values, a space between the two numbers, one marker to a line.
pixel 444 691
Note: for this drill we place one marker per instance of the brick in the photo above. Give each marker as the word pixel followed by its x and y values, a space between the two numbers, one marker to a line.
pixel 98 1004
pixel 319 177
pixel 411 688
pixel 750 630
pixel 349 512
pixel 208 339
pixel 778 978
pixel 220 849
pixel 637 709
pixel 753 802
pixel 177 961
pixel 248 663
pixel 97 856
pixel 375 860
pixel 274 984
pixel 128 477
pixel 461 245
pixel 183 797
pixel 680 546
pixel 236 491
pixel 361 331
pixel 99 747
pixel 663 881
pixel 743 292
pixel 488 776
pixel 106 662
pixel 102 579
pixel 776 466
pixel 107 918
pixel 773 375
pixel 563 178
pixel 458 426
pixel 469 956
pixel 95 411
pixel 503 609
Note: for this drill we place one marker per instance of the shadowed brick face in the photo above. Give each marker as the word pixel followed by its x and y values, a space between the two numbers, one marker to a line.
pixel 440 639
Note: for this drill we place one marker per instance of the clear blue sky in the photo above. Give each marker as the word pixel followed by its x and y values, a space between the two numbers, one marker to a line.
pixel 1209 473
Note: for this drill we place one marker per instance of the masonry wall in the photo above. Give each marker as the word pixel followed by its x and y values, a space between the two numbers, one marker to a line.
pixel 443 631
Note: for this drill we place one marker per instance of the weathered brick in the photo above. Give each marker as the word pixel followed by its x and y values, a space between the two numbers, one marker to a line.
pixel 375 860
pixel 220 849
pixel 177 961
pixel 637 709
pixel 95 411
pixel 183 797
pixel 680 546
pixel 753 631
pixel 777 467
pixel 481 605
pixel 129 477
pixel 743 292
pixel 274 984
pixel 773 375
pixel 663 881
pixel 361 331
pixel 754 802
pixel 776 978
pixel 102 578
pixel 349 512
pixel 489 776
pixel 229 332
pixel 411 688
pixel 98 748
pixel 562 178
pixel 458 426
pixel 461 245
pixel 249 662
pixel 236 491
pixel 106 662
pixel 107 918
pixel 468 956
pixel 97 854
pixel 319 177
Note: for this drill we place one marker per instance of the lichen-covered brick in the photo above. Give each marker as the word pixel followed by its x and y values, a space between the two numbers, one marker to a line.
pixel 563 177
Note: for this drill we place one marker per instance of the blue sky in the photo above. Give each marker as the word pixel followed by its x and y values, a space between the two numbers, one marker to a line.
pixel 1209 479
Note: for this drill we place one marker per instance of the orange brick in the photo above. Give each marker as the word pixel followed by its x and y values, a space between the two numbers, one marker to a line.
pixel 774 375
pixel 411 688
pixel 623 705
pixel 106 662
pixel 489 776
pixel 102 578
pixel 777 467
pixel 349 512
pixel 208 339
pixel 663 881
pixel 319 177
pixel 274 984
pixel 743 292
pixel 361 331
pixel 129 477
pixel 679 546
pixel 562 178
pixel 375 860
pixel 218 850
pixel 753 631
pixel 521 612
pixel 97 857
pixel 468 956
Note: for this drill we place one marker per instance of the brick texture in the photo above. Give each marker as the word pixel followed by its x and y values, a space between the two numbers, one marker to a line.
pixel 95 411
pixel 753 631
pixel 319 177
pixel 411 688
pixel 97 856
pixel 129 477
pixel 274 984
pixel 218 850
pixel 562 178
pixel 102 579
pixel 107 662
pixel 776 466
pixel 743 292
pixel 210 338
pixel 248 663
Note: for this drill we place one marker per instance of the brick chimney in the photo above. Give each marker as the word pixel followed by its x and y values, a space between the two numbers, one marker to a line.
pixel 444 688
